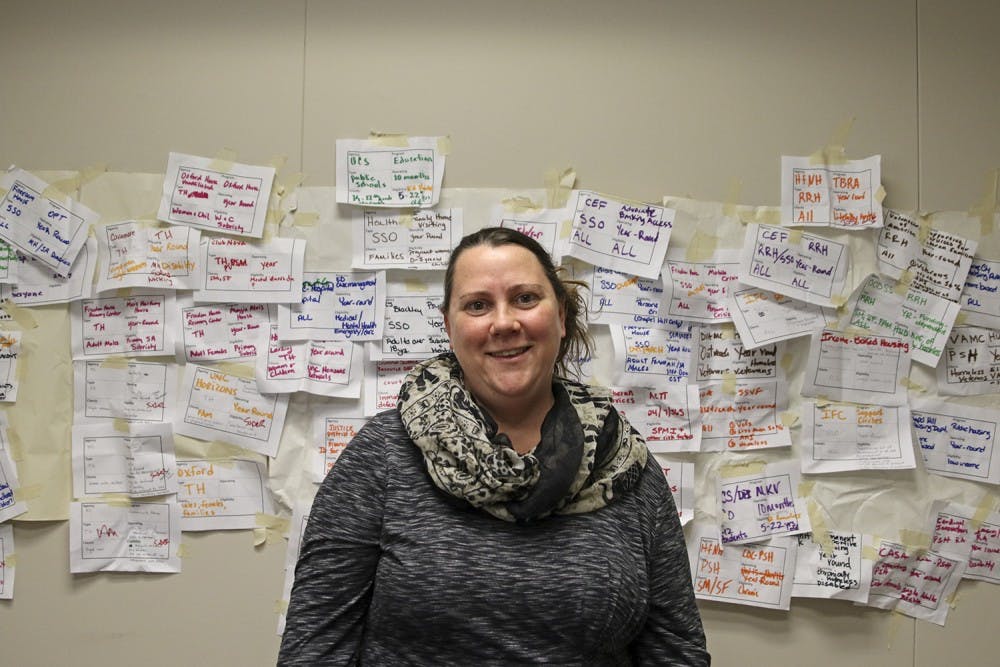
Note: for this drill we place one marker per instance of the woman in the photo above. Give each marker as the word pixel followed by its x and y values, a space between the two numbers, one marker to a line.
pixel 502 514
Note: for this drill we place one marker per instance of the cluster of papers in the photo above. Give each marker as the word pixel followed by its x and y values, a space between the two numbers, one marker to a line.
pixel 205 324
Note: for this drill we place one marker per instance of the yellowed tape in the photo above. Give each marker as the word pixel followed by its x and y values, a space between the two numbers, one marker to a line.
pixel 838 300
pixel 729 382
pixel 272 522
pixel 817 519
pixel 305 219
pixel 223 160
pixel 915 539
pixel 116 362
pixel 123 292
pixel 28 492
pixel 116 499
pixel 985 507
pixel 786 362
pixel 14 444
pixel 444 145
pixel 794 236
pixel 405 219
pixel 68 186
pixel 558 186
pixel 415 285
pixel 833 153
pixel 223 453
pixel 281 606
pixel 566 229
pixel 520 204
pixel 289 184
pixel 702 247
pixel 10 560
pixel 961 318
pixel 913 385
pixel 765 215
pixel 729 207
pixel 389 139
pixel 986 208
pixel 743 468
pixel 277 161
pixel 233 368
pixel 121 425
pixel 879 194
pixel 923 229
pixel 22 316
pixel 789 419
pixel 183 550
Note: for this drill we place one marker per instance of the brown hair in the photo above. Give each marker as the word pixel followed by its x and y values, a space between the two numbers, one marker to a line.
pixel 577 343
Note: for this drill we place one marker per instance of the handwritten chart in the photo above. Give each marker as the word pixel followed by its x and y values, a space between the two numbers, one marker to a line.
pixel 417 240
pixel 404 172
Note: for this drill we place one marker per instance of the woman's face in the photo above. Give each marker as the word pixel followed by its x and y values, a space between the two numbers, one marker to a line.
pixel 505 325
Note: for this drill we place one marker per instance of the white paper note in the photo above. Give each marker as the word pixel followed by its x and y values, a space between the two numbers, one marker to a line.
pixel 913 581
pixel 135 254
pixel 759 505
pixel 838 437
pixel 139 462
pixel 743 415
pixel 840 195
pixel 223 331
pixel 859 368
pixel 970 534
pixel 837 570
pixel 222 494
pixel 7 561
pixel 243 272
pixel 115 389
pixel 667 417
pixel 134 537
pixel 980 298
pixel 699 291
pixel 803 266
pixel 758 575
pixel 404 172
pixel 763 317
pixel 323 367
pixel 37 285
pixel 970 363
pixel 395 239
pixel 138 325
pixel 336 306
pixel 647 357
pixel 957 440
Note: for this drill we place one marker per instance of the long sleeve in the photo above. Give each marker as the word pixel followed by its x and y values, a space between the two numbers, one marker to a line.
pixel 337 562
pixel 673 632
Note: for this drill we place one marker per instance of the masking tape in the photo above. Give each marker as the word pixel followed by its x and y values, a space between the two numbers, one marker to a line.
pixel 729 384
pixel 237 369
pixel 405 219
pixel 415 285
pixel 787 360
pixel 183 550
pixel 281 607
pixel 272 522
pixel 223 160
pixel 984 509
pixel 121 425
pixel 702 247
pixel 277 161
pixel 794 236
pixel 389 139
pixel 986 209
pixel 558 186
pixel 923 229
pixel 913 385
pixel 742 469
pixel 444 145
pixel 789 419
pixel 290 183
pixel 14 444
pixel 833 152
pixel 28 492
pixel 115 499
pixel 732 197
pixel 520 204
pixel 305 219
pixel 838 300
pixel 116 362
pixel 879 194
pixel 817 518
pixel 10 560
pixel 22 316
pixel 915 539
pixel 123 292
pixel 222 453
pixel 565 229
pixel 765 215
pixel 961 318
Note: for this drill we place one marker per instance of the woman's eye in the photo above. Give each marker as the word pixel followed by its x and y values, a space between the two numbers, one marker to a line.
pixel 527 299
pixel 475 306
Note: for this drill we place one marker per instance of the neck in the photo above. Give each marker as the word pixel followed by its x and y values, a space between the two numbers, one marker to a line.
pixel 522 424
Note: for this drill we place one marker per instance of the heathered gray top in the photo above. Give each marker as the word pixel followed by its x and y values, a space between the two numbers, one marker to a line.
pixel 394 572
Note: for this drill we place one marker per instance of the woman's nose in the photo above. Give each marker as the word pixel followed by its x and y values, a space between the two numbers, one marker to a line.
pixel 504 321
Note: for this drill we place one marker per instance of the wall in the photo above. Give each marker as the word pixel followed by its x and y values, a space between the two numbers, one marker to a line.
pixel 643 98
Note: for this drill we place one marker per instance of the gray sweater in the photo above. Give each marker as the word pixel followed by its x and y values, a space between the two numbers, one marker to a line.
pixel 394 572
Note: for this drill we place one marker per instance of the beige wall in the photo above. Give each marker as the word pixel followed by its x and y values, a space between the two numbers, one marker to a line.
pixel 643 98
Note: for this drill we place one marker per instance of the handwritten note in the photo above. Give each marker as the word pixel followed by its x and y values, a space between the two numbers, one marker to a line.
pixel 336 306
pixel 618 298
pixel 938 261
pixel 667 418
pixel 323 367
pixel 132 391
pixel 680 478
pixel 743 415
pixel 838 437
pixel 331 435
pixel 222 494
pixel 625 236
pixel 835 570
pixel 405 172
pixel 243 272
pixel 11 505
pixel 699 291
pixel 414 324
pixel 957 440
pixel 721 355
pixel 37 285
pixel 803 266
pixel 8 264
pixel 42 222
pixel 7 562
pixel 137 463
pixel 541 224
pixel 133 254
pixel 138 326
pixel 10 352
pixel 763 317
pixel 841 195
pixel 913 581
pixel 222 406
pixel 756 506
pixel 924 319
pixel 980 298
pixel 417 240
pixel 970 534
pixel 135 537
pixel 382 381
pixel 229 198
pixel 971 362
pixel 647 357
pixel 224 331
pixel 858 368
pixel 758 575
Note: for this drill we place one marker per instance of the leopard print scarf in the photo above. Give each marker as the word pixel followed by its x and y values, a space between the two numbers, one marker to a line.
pixel 588 453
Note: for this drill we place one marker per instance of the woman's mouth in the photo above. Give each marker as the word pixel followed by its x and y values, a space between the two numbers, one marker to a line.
pixel 508 354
